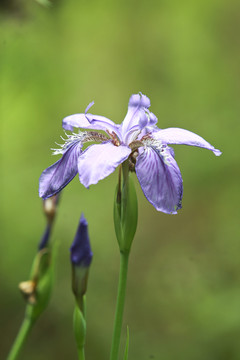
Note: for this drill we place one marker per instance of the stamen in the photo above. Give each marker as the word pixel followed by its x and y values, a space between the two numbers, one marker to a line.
pixel 114 138
pixel 81 137
pixel 145 137
pixel 94 136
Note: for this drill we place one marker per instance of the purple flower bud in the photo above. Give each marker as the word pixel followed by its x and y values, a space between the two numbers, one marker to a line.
pixel 44 241
pixel 81 253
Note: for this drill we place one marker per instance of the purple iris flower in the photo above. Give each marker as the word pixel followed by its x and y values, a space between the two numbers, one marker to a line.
pixel 137 139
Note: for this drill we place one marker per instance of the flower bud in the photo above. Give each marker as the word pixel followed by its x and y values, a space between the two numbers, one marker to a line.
pixel 81 257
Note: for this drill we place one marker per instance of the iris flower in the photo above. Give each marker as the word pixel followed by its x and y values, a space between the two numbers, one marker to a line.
pixel 137 139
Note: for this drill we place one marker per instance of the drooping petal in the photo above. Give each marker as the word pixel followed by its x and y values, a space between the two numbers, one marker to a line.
pixel 100 160
pixel 160 178
pixel 183 137
pixel 138 116
pixel 89 121
pixel 58 175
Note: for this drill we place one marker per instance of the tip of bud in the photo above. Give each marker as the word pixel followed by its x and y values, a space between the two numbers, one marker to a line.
pixel 83 220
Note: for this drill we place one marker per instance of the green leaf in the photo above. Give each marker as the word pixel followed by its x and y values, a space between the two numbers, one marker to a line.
pixel 79 327
pixel 127 345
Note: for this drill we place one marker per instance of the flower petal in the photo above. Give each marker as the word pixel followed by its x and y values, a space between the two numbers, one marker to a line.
pixel 58 175
pixel 138 115
pixel 183 137
pixel 160 178
pixel 89 121
pixel 100 160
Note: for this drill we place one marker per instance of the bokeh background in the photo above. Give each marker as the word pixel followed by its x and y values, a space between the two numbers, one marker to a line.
pixel 183 294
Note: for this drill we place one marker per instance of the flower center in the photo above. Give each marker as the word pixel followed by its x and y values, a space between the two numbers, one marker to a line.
pixel 132 160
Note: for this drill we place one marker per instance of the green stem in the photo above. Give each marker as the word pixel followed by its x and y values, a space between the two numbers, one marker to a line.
pixel 120 305
pixel 21 338
pixel 81 354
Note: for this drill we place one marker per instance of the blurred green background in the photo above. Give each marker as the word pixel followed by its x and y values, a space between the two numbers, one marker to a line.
pixel 183 294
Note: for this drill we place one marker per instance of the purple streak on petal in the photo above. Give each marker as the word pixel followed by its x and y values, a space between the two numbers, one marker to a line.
pixel 58 175
pixel 183 137
pixel 99 161
pixel 81 253
pixel 160 179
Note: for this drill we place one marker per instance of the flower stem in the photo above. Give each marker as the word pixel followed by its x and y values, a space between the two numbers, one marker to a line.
pixel 21 338
pixel 120 305
pixel 81 354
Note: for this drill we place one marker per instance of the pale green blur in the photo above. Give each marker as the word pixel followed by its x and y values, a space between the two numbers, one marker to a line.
pixel 183 295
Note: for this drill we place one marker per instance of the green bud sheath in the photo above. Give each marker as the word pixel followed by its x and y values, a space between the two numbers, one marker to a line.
pixel 125 209
pixel 37 291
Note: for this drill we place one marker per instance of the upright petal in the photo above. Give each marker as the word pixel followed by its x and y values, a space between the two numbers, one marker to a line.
pixel 138 115
pixel 183 137
pixel 100 160
pixel 160 178
pixel 58 175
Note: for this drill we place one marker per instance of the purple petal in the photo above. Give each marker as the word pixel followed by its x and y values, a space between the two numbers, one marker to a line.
pixel 89 106
pixel 99 161
pixel 160 179
pixel 138 115
pixel 139 100
pixel 183 137
pixel 58 175
pixel 89 121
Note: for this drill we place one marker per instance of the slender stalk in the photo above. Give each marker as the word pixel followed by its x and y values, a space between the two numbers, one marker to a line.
pixel 120 305
pixel 79 328
pixel 21 338
pixel 81 354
